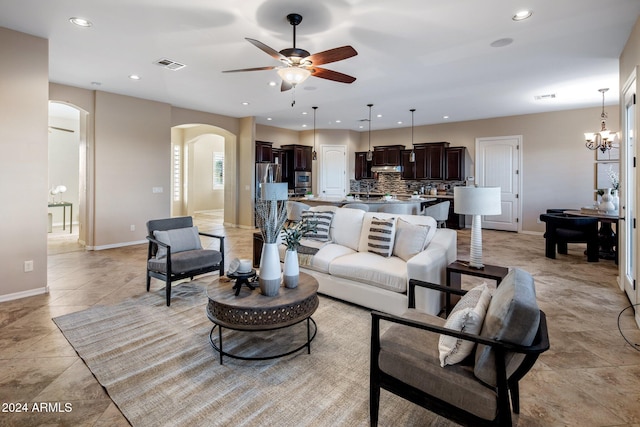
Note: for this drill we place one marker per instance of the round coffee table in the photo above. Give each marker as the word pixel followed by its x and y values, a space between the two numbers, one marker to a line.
pixel 251 311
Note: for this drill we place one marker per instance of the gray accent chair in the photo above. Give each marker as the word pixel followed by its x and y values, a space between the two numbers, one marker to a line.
pixel 439 212
pixel 483 389
pixel 174 265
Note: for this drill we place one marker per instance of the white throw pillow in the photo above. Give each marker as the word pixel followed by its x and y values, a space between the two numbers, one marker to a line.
pixel 410 239
pixel 467 316
pixel 180 240
pixel 380 236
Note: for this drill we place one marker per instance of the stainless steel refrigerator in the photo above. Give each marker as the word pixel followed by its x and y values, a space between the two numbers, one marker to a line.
pixel 266 172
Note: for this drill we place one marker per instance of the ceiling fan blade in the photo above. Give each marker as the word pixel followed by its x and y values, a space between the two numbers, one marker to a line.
pixel 323 73
pixel 332 55
pixel 285 86
pixel 268 50
pixel 250 69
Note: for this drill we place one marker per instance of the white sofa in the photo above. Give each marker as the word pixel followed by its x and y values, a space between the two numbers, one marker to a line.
pixel 347 271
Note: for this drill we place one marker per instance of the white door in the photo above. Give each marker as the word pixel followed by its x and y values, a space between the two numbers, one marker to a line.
pixel 627 231
pixel 498 165
pixel 333 171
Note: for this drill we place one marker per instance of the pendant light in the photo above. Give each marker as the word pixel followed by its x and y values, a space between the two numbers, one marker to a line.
pixel 314 155
pixel 604 138
pixel 412 155
pixel 369 153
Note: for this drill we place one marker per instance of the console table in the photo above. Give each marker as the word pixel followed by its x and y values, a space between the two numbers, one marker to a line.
pixel 64 213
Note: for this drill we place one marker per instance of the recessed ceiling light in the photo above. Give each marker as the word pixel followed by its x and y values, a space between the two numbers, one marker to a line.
pixel 502 42
pixel 134 77
pixel 304 112
pixel 304 126
pixel 379 115
pixel 361 126
pixel 338 121
pixel 272 83
pixel 245 103
pixel 399 122
pixel 269 118
pixel 445 117
pixel 80 22
pixel 522 15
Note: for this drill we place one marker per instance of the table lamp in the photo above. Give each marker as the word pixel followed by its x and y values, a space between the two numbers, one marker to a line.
pixel 476 201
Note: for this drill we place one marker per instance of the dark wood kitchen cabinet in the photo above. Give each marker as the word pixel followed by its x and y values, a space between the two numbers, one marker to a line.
pixel 301 157
pixel 387 155
pixel 264 151
pixel 430 160
pixel 408 167
pixel 455 163
pixel 363 167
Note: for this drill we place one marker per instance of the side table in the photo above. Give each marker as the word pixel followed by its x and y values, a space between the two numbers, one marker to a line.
pixel 457 268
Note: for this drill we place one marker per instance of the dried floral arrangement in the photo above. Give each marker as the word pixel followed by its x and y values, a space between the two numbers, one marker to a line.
pixel 270 216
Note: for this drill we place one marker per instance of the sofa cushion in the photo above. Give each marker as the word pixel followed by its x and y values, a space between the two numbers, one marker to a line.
pixel 180 240
pixel 380 236
pixel 325 256
pixel 386 273
pixel 411 355
pixel 410 239
pixel 513 316
pixel 346 227
pixel 185 261
pixel 467 316
pixel 322 221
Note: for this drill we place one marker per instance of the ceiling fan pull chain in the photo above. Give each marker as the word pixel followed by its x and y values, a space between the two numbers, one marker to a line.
pixel 293 97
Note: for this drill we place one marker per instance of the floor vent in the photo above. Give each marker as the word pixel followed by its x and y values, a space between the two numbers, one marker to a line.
pixel 169 64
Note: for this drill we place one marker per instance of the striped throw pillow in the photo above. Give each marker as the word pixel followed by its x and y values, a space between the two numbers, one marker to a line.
pixel 322 221
pixel 381 236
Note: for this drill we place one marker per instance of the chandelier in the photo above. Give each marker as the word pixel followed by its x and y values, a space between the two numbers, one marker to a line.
pixel 603 139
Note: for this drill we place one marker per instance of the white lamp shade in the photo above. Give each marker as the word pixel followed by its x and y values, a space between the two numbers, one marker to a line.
pixel 275 191
pixel 477 200
pixel 294 75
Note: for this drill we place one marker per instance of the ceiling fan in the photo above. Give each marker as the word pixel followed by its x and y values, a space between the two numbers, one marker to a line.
pixel 299 64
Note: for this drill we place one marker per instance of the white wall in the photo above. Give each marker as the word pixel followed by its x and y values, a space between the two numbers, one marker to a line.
pixel 23 164
pixel 64 166
pixel 202 195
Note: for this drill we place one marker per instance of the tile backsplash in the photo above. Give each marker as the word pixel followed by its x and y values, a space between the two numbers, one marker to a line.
pixel 390 182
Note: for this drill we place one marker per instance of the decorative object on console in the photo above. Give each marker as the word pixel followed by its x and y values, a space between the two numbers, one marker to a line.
pixel 606 203
pixel 476 201
pixel 58 189
pixel 604 138
pixel 271 213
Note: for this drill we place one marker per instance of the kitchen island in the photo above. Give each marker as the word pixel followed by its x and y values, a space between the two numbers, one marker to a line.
pixel 407 205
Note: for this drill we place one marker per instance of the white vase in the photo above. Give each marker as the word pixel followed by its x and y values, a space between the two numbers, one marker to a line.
pixel 606 204
pixel 269 277
pixel 291 272
pixel 615 199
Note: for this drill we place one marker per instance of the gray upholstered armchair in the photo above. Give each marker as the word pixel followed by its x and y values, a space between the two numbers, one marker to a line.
pixel 481 387
pixel 175 252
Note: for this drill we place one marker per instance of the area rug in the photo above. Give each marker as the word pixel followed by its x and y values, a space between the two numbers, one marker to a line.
pixel 159 368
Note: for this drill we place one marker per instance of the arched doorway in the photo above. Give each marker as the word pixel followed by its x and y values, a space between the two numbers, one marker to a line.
pixel 67 178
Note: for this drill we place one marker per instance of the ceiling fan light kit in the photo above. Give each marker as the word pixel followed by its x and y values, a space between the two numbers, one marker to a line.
pixel 299 64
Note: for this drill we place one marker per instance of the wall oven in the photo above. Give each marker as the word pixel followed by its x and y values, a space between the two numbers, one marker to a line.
pixel 301 182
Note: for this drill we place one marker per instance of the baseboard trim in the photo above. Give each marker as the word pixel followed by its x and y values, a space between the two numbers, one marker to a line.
pixel 24 294
pixel 116 245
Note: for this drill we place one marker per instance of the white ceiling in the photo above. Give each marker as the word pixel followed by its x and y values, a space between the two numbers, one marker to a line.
pixel 435 56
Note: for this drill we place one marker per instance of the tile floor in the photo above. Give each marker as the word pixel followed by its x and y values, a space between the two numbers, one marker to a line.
pixel 590 377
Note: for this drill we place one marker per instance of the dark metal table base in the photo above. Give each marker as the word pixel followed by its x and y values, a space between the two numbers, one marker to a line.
pixel 236 356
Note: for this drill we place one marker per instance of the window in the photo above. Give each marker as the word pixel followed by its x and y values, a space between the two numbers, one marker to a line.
pixel 176 173
pixel 218 171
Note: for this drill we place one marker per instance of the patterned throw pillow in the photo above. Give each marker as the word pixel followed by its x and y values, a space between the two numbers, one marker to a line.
pixel 322 220
pixel 381 236
pixel 467 316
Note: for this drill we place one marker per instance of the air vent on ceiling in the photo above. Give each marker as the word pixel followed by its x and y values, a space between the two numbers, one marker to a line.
pixel 546 96
pixel 169 64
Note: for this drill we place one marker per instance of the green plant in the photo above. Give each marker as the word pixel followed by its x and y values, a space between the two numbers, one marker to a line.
pixel 291 236
pixel 309 192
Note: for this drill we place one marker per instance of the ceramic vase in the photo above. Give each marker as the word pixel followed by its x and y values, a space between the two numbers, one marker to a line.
pixel 606 203
pixel 269 278
pixel 291 272
pixel 615 199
